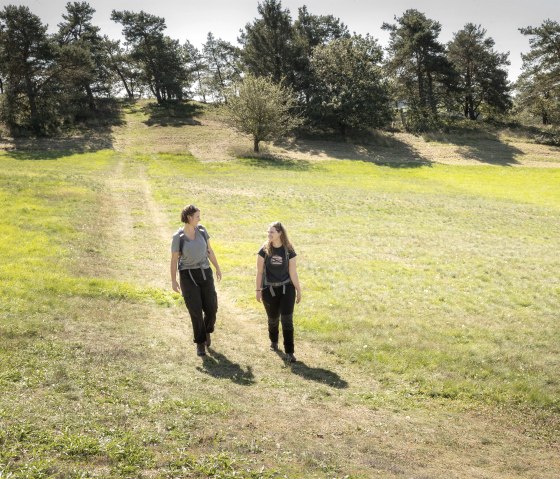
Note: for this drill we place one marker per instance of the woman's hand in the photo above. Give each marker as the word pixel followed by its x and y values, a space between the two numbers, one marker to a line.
pixel 298 296
pixel 175 286
pixel 259 295
pixel 218 274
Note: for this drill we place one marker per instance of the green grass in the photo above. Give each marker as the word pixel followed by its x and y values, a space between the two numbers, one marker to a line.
pixel 75 402
pixel 442 281
pixel 439 282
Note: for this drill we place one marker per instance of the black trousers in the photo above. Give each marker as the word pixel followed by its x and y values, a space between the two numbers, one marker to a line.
pixel 201 300
pixel 281 308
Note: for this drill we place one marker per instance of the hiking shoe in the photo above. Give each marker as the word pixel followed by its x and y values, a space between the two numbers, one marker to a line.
pixel 290 358
pixel 208 340
pixel 274 346
pixel 200 351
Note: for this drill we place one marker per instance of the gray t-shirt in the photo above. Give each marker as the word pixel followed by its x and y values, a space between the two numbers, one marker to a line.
pixel 195 252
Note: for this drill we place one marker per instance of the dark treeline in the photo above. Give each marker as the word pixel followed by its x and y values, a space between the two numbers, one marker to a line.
pixel 340 80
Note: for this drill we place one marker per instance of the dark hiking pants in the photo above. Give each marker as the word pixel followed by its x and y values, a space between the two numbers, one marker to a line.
pixel 201 301
pixel 280 308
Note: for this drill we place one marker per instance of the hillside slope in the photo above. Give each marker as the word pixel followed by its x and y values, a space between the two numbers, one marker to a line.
pixel 430 351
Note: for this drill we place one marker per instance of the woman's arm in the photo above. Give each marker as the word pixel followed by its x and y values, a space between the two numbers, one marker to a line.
pixel 214 261
pixel 173 271
pixel 259 278
pixel 294 277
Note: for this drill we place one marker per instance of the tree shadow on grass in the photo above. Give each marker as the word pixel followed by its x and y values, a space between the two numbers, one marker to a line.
pixel 92 132
pixel 35 149
pixel 380 149
pixel 175 114
pixel 220 367
pixel 278 163
pixel 483 146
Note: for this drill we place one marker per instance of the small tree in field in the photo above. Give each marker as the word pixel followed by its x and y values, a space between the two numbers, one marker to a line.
pixel 261 108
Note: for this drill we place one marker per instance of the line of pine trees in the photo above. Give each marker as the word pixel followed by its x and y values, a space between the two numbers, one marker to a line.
pixel 340 80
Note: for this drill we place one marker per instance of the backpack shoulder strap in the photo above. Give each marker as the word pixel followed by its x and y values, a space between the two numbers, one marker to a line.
pixel 203 231
pixel 181 242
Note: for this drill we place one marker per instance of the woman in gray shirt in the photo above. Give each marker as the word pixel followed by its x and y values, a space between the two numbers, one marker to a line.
pixel 191 255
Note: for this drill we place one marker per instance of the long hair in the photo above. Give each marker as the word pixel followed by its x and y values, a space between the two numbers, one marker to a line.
pixel 283 237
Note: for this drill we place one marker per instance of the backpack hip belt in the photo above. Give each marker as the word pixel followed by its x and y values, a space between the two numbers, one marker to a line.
pixel 191 276
pixel 271 286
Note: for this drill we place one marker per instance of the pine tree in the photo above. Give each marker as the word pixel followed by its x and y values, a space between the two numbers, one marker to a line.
pixel 27 56
pixel 422 75
pixel 481 72
pixel 539 82
pixel 268 43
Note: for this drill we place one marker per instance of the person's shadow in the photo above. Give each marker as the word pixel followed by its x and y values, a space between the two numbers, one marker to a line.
pixel 219 366
pixel 320 375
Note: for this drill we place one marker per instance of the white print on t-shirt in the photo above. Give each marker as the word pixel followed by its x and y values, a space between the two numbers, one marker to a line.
pixel 276 260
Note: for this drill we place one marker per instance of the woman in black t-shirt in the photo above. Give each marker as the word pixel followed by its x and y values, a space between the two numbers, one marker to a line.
pixel 277 286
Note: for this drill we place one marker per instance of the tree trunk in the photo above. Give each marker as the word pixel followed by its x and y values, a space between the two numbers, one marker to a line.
pixel 125 84
pixel 431 98
pixel 420 78
pixel 156 92
pixel 201 88
pixel 91 100
pixel 472 113
pixel 35 120
pixel 256 145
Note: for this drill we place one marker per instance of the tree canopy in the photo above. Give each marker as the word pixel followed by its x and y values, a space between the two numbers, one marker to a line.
pixel 481 74
pixel 268 43
pixel 262 108
pixel 349 87
pixel 336 78
pixel 539 82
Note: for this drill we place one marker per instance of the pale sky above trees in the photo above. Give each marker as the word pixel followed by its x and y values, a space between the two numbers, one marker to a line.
pixel 193 19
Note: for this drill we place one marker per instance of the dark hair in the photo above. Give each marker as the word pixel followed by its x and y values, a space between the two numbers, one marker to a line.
pixel 188 210
pixel 283 237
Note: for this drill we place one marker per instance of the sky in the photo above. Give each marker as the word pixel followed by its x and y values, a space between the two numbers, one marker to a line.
pixel 192 20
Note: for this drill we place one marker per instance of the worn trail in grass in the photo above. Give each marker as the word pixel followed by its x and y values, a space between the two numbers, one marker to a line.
pixel 99 370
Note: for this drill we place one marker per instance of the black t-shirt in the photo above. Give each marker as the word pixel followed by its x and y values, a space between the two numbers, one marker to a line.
pixel 275 266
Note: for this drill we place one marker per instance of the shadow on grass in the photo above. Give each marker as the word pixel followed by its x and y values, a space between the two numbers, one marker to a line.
pixel 93 132
pixel 380 149
pixel 175 114
pixel 483 146
pixel 319 375
pixel 219 366
pixel 278 163
pixel 54 148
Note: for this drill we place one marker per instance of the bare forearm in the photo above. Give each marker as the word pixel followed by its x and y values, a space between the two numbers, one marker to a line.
pixel 295 281
pixel 213 259
pixel 173 269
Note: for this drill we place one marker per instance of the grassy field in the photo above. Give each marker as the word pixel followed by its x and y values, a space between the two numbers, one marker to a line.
pixel 428 334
